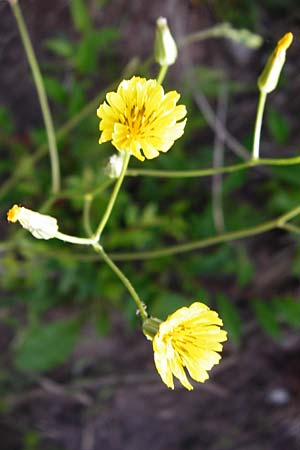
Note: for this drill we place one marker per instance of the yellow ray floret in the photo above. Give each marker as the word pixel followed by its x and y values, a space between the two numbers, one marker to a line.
pixel 188 341
pixel 140 117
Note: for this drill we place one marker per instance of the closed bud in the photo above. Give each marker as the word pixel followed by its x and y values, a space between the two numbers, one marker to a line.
pixel 165 49
pixel 114 166
pixel 151 327
pixel 39 225
pixel 268 80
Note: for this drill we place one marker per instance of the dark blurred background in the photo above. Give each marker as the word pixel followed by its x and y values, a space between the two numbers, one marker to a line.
pixel 76 373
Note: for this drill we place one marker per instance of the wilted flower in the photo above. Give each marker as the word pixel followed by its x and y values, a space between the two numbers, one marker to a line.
pixel 190 339
pixel 268 80
pixel 40 226
pixel 140 116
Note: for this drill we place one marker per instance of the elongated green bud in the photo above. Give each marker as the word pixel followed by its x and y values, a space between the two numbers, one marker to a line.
pixel 165 49
pixel 268 80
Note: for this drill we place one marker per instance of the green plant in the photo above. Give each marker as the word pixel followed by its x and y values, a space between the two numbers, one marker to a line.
pixel 150 215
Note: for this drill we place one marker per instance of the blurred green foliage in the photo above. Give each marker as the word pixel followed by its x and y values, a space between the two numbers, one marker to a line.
pixel 40 278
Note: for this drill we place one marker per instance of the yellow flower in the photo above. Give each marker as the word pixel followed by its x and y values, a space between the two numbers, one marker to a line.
pixel 140 116
pixel 188 339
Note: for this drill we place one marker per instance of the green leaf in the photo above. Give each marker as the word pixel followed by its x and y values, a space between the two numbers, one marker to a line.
pixel 266 317
pixel 167 303
pixel 86 60
pixel 288 309
pixel 231 318
pixel 102 323
pixel 244 266
pixel 234 181
pixel 287 174
pixel 6 121
pixel 105 36
pixel 77 98
pixel 61 47
pixel 55 90
pixel 80 15
pixel 278 126
pixel 45 346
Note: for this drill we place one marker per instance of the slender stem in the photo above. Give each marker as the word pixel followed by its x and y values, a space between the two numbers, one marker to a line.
pixel 290 227
pixel 113 198
pixel 218 161
pixel 223 30
pixel 207 242
pixel 278 222
pixel 162 73
pixel 88 198
pixel 258 124
pixel 41 94
pixel 124 280
pixel 288 216
pixel 73 239
pixel 212 171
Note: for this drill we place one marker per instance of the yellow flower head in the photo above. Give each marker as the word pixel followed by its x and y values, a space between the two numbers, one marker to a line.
pixel 189 339
pixel 140 116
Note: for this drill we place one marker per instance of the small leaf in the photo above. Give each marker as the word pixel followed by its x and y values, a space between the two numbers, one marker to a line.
pixel 85 58
pixel 61 47
pixel 278 126
pixel 244 266
pixel 45 346
pixel 105 36
pixel 288 309
pixel 6 120
pixel 55 89
pixel 77 98
pixel 80 15
pixel 231 318
pixel 266 317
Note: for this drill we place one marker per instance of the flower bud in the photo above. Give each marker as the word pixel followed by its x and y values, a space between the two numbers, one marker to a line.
pixel 151 327
pixel 114 166
pixel 268 80
pixel 39 225
pixel 165 49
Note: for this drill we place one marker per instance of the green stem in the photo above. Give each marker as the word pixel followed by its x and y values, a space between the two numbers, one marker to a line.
pixel 279 222
pixel 73 239
pixel 258 124
pixel 88 198
pixel 113 198
pixel 290 227
pixel 213 171
pixel 207 242
pixel 124 280
pixel 162 73
pixel 41 94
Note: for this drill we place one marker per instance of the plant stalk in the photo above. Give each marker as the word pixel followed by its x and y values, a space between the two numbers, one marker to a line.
pixel 113 198
pixel 38 80
pixel 258 124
